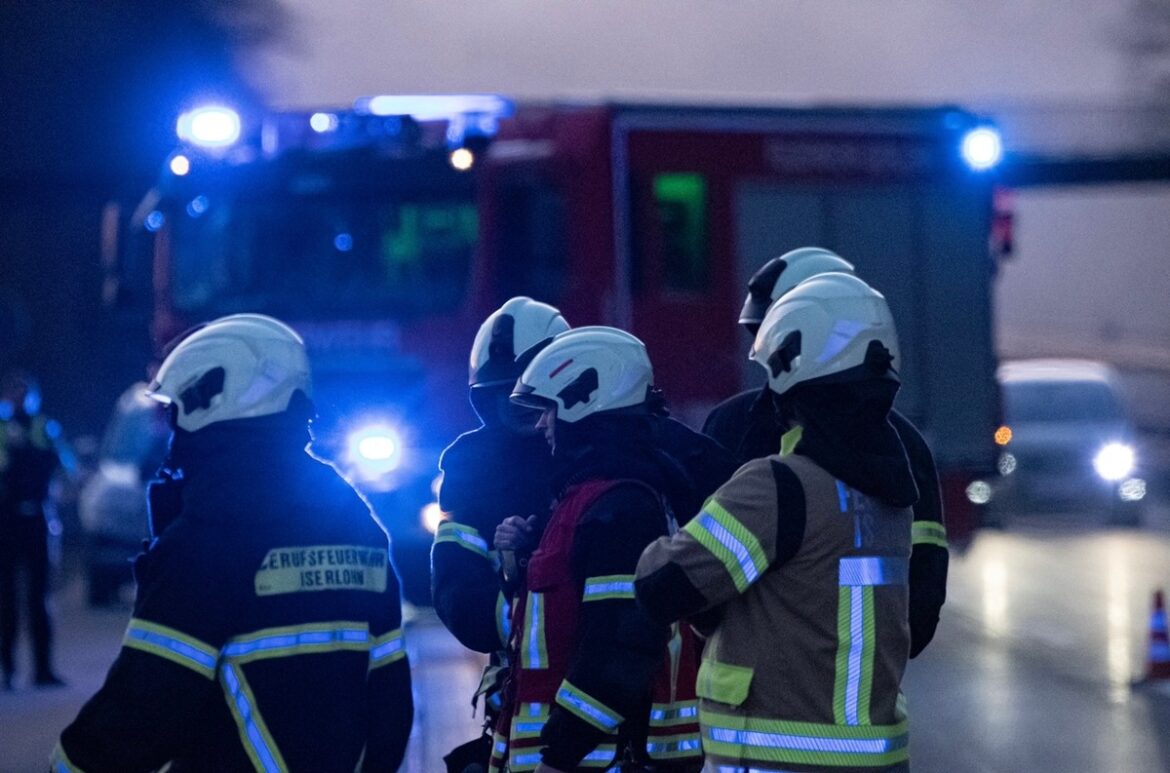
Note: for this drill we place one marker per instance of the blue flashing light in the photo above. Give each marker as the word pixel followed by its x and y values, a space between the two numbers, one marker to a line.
pixel 213 126
pixel 435 107
pixel 197 206
pixel 374 450
pixel 982 148
pixel 180 165
pixel 343 242
pixel 324 122
pixel 155 221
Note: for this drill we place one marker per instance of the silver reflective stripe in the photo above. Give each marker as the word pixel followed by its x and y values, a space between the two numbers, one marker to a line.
pixel 856 648
pixel 603 717
pixel 742 556
pixel 501 747
pixel 386 649
pixel 807 743
pixel 624 589
pixel 874 570
pixel 535 630
pixel 296 640
pixel 526 759
pixel 690 744
pixel 245 714
pixel 660 715
pixel 199 659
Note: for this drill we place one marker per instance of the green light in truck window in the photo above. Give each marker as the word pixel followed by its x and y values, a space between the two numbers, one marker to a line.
pixel 680 199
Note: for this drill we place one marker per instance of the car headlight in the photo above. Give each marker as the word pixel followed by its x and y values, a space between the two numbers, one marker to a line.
pixel 1114 461
pixel 374 450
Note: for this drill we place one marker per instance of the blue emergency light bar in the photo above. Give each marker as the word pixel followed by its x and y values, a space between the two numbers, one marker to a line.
pixel 210 126
pixel 435 107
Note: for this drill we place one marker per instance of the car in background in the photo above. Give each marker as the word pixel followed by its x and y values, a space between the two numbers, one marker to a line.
pixel 1067 444
pixel 112 504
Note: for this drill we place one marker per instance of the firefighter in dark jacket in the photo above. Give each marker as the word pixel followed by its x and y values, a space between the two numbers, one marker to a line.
pixel 266 633
pixel 754 424
pixel 805 557
pixel 501 468
pixel 596 683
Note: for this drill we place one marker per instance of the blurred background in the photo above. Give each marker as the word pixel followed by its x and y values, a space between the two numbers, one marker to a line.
pixel 1059 528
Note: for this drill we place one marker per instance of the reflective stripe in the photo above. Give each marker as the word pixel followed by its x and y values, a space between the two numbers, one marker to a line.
pixel 855 649
pixel 503 618
pixel 59 762
pixel 729 541
pixel 462 535
pixel 789 440
pixel 588 708
pixel 805 742
pixel 842 497
pixel 173 645
pixel 610 586
pixel 682 745
pixel 928 533
pixel 874 570
pixel 298 640
pixel 601 757
pixel 387 649
pixel 529 721
pixel 533 653
pixel 254 734
pixel 666 714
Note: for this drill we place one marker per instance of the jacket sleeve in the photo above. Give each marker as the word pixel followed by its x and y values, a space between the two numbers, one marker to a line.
pixel 466 588
pixel 159 686
pixel 752 522
pixel 619 648
pixel 391 701
pixel 929 558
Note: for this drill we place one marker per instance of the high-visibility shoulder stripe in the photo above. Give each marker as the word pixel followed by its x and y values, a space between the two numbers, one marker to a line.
pixel 387 649
pixel 173 645
pixel 731 542
pixel 254 734
pixel 298 640
pixel 59 762
pixel 588 708
pixel 463 535
pixel 928 533
pixel 609 586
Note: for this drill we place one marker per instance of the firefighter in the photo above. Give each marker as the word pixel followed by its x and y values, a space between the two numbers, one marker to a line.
pixel 266 630
pixel 805 557
pixel 596 684
pixel 501 468
pixel 29 458
pixel 754 424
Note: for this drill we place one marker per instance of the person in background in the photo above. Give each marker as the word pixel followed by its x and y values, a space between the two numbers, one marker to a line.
pixel 266 632
pixel 501 468
pixel 804 558
pixel 596 684
pixel 29 458
pixel 753 425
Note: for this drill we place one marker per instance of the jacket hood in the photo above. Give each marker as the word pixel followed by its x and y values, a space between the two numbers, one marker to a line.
pixel 846 430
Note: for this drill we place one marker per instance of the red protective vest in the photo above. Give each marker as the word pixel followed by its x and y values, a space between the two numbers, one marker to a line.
pixel 542 653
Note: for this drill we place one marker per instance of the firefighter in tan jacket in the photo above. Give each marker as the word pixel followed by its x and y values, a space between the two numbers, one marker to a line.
pixel 797 566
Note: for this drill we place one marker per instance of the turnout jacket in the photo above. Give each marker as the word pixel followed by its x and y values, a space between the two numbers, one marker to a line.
pixel 805 561
pixel 266 634
pixel 747 425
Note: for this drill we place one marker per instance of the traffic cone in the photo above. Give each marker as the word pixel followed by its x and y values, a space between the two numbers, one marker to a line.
pixel 1158 668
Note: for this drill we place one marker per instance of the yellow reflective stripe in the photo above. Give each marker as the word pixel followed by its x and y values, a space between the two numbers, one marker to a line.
pixel 678 713
pixel 928 533
pixel 789 440
pixel 805 743
pixel 387 648
pixel 732 543
pixel 852 684
pixel 503 618
pixel 173 645
pixel 298 640
pixel 462 535
pixel 588 708
pixel 529 720
pixel 666 747
pixel 609 586
pixel 254 734
pixel 533 651
pixel 59 762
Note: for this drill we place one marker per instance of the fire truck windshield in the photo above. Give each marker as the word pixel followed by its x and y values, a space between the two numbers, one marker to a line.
pixel 322 256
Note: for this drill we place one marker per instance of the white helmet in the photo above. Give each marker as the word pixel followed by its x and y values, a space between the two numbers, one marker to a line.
pixel 826 325
pixel 779 275
pixel 236 367
pixel 585 371
pixel 509 339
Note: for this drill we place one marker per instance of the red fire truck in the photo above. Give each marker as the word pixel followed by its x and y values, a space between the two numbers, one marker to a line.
pixel 385 233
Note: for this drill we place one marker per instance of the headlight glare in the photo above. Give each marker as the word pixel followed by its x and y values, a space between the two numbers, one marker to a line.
pixel 1114 461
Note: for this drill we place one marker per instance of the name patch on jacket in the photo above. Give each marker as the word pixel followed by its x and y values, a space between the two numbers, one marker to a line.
pixel 322 567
